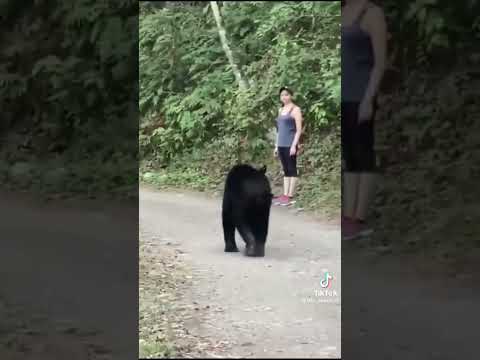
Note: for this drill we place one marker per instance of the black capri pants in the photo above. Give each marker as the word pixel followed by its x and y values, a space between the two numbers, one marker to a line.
pixel 358 139
pixel 289 163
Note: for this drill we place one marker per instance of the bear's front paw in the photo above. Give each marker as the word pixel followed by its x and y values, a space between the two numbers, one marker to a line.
pixel 231 249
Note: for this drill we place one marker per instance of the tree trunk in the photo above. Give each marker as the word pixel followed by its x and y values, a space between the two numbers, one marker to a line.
pixel 242 83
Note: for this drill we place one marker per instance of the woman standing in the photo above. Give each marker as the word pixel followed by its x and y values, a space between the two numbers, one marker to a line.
pixel 364 43
pixel 289 130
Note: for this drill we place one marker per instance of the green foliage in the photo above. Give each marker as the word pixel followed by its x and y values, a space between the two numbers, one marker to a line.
pixel 426 29
pixel 175 177
pixel 427 168
pixel 321 190
pixel 157 350
pixel 67 75
pixel 196 123
pixel 186 81
pixel 422 202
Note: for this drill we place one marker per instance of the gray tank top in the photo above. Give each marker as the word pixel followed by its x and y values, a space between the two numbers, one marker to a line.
pixel 357 60
pixel 286 128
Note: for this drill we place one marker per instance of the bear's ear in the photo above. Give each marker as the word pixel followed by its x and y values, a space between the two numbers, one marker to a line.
pixel 263 169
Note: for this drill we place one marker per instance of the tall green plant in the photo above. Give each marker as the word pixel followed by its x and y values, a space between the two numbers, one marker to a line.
pixel 186 80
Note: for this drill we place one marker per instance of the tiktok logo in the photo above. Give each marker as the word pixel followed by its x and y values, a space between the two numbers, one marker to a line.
pixel 325 283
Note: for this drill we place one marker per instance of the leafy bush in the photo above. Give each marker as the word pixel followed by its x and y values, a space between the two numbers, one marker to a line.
pixel 67 76
pixel 192 108
pixel 424 31
pixel 421 201
pixel 187 82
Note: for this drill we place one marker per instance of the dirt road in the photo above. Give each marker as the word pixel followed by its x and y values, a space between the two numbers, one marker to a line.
pixel 261 307
pixel 394 308
pixel 68 280
pixel 69 287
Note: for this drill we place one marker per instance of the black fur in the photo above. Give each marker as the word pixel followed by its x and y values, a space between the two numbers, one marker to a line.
pixel 246 207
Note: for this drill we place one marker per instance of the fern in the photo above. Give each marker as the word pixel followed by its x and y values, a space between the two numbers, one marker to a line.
pixel 180 54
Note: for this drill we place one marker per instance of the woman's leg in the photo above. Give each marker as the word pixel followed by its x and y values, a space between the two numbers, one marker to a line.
pixel 350 194
pixel 351 176
pixel 282 154
pixel 367 162
pixel 286 185
pixel 366 192
pixel 293 183
pixel 292 169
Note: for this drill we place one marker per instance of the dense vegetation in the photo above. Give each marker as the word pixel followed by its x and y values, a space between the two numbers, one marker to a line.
pixel 196 121
pixel 429 101
pixel 68 93
pixel 427 130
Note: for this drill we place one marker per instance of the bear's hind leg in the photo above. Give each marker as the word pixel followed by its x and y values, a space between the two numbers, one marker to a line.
pixel 229 232
pixel 249 239
pixel 259 224
pixel 262 233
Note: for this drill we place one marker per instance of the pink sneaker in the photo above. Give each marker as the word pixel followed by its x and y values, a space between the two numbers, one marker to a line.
pixel 288 200
pixel 281 200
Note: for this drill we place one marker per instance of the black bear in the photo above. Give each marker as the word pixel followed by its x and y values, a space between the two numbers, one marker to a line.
pixel 246 206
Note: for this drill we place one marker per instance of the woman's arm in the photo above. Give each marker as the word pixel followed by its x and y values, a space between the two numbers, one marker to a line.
pixel 377 28
pixel 297 115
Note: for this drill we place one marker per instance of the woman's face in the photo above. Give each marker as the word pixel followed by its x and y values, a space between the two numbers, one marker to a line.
pixel 285 97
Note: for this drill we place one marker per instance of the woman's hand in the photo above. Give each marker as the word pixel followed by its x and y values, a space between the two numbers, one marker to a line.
pixel 293 150
pixel 365 110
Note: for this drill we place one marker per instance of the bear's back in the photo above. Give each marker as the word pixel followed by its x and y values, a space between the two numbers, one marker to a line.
pixel 247 180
